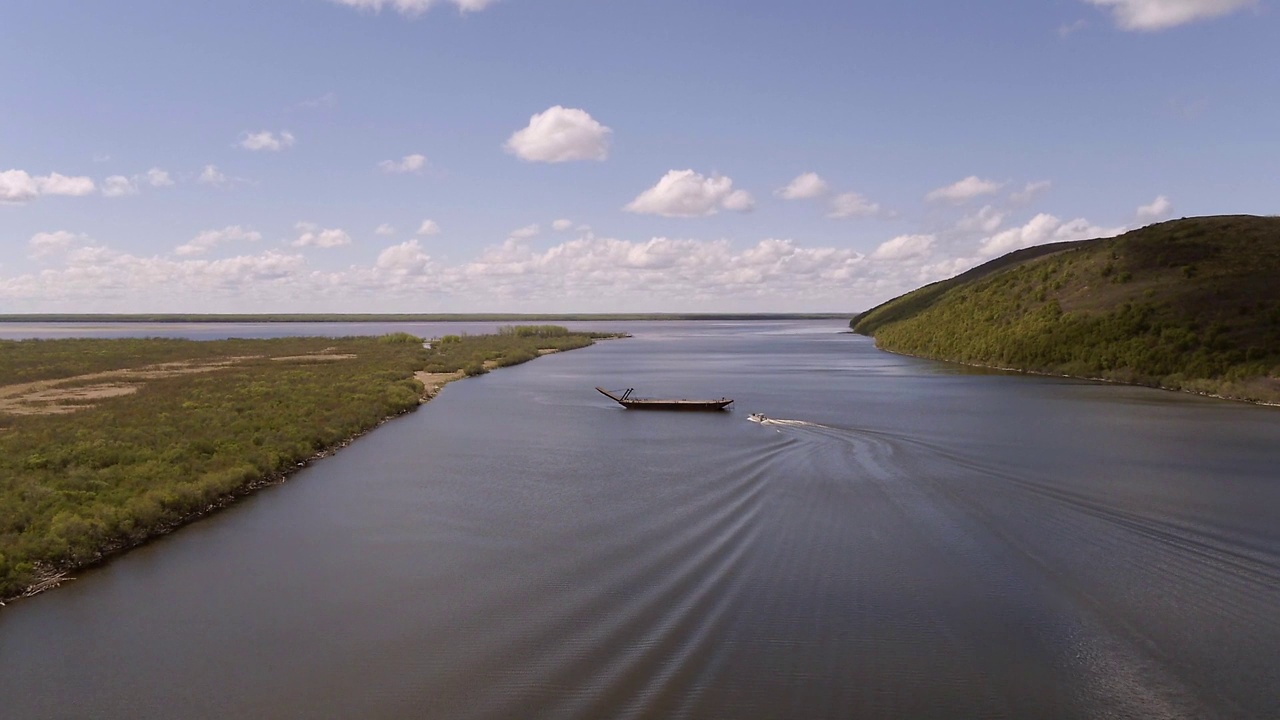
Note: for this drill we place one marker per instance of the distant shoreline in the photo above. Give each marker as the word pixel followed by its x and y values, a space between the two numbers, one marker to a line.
pixel 398 317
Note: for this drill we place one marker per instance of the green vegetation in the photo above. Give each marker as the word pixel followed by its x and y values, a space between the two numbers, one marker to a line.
pixel 180 428
pixel 477 354
pixel 1188 304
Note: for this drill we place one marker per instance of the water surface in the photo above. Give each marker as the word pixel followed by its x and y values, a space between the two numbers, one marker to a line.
pixel 908 539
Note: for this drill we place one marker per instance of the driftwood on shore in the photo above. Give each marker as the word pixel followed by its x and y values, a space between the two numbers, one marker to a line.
pixel 48 583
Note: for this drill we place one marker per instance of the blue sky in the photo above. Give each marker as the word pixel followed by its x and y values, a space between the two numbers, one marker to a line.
pixel 603 156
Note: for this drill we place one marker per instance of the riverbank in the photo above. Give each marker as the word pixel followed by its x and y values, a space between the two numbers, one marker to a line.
pixel 103 449
pixel 1112 381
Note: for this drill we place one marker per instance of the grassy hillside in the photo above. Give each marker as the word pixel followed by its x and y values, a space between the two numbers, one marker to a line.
pixel 1189 304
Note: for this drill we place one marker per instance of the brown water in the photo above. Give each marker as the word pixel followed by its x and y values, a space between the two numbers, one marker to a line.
pixel 906 540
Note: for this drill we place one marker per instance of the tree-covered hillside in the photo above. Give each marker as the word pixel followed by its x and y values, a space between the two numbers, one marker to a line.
pixel 1189 304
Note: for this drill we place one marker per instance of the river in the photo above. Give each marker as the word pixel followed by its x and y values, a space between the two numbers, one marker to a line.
pixel 903 539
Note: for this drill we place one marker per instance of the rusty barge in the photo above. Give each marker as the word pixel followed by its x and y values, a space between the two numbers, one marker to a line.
pixel 633 403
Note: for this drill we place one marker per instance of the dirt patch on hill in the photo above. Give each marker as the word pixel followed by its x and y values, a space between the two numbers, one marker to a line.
pixel 66 395
pixel 79 392
pixel 432 382
pixel 319 357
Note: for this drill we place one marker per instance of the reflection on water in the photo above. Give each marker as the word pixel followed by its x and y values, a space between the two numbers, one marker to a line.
pixel 895 540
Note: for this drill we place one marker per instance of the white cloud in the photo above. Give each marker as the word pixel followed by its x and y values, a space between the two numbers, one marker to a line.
pixel 407 164
pixel 19 186
pixel 385 229
pixel 739 201
pixel 211 175
pixel 1150 15
pixel 119 186
pixel 561 225
pixel 661 271
pixel 904 247
pixel 156 177
pixel 95 276
pixel 1159 209
pixel 526 232
pixel 428 227
pixel 407 258
pixel 852 204
pixel 1041 229
pixel 315 236
pixel 804 187
pixel 45 244
pixel 560 134
pixel 586 273
pixel 1030 192
pixel 987 220
pixel 208 239
pixel 56 184
pixel 414 8
pixel 965 190
pixel 266 140
pixel 685 193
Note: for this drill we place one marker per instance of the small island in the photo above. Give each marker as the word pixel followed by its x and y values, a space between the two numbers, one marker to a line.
pixel 105 444
pixel 1190 305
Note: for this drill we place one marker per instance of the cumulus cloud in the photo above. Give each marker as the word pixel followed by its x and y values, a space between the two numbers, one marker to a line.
pixel 965 190
pixel 385 229
pixel 211 175
pixel 1159 209
pixel 560 134
pixel 663 270
pixel 904 247
pixel 587 272
pixel 1042 229
pixel 119 186
pixel 1151 15
pixel 804 187
pixel 155 177
pixel 19 186
pixel 407 258
pixel 315 236
pixel 987 220
pixel 55 184
pixel 102 276
pixel 407 164
pixel 428 227
pixel 209 239
pixel 852 204
pixel 414 8
pixel 561 225
pixel 739 201
pixel 266 141
pixel 1030 192
pixel 685 193
pixel 526 232
pixel 45 244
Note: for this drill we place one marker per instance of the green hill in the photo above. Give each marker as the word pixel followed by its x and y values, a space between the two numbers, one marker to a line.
pixel 1189 304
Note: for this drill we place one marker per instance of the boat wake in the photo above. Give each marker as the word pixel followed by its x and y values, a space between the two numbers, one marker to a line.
pixel 780 422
